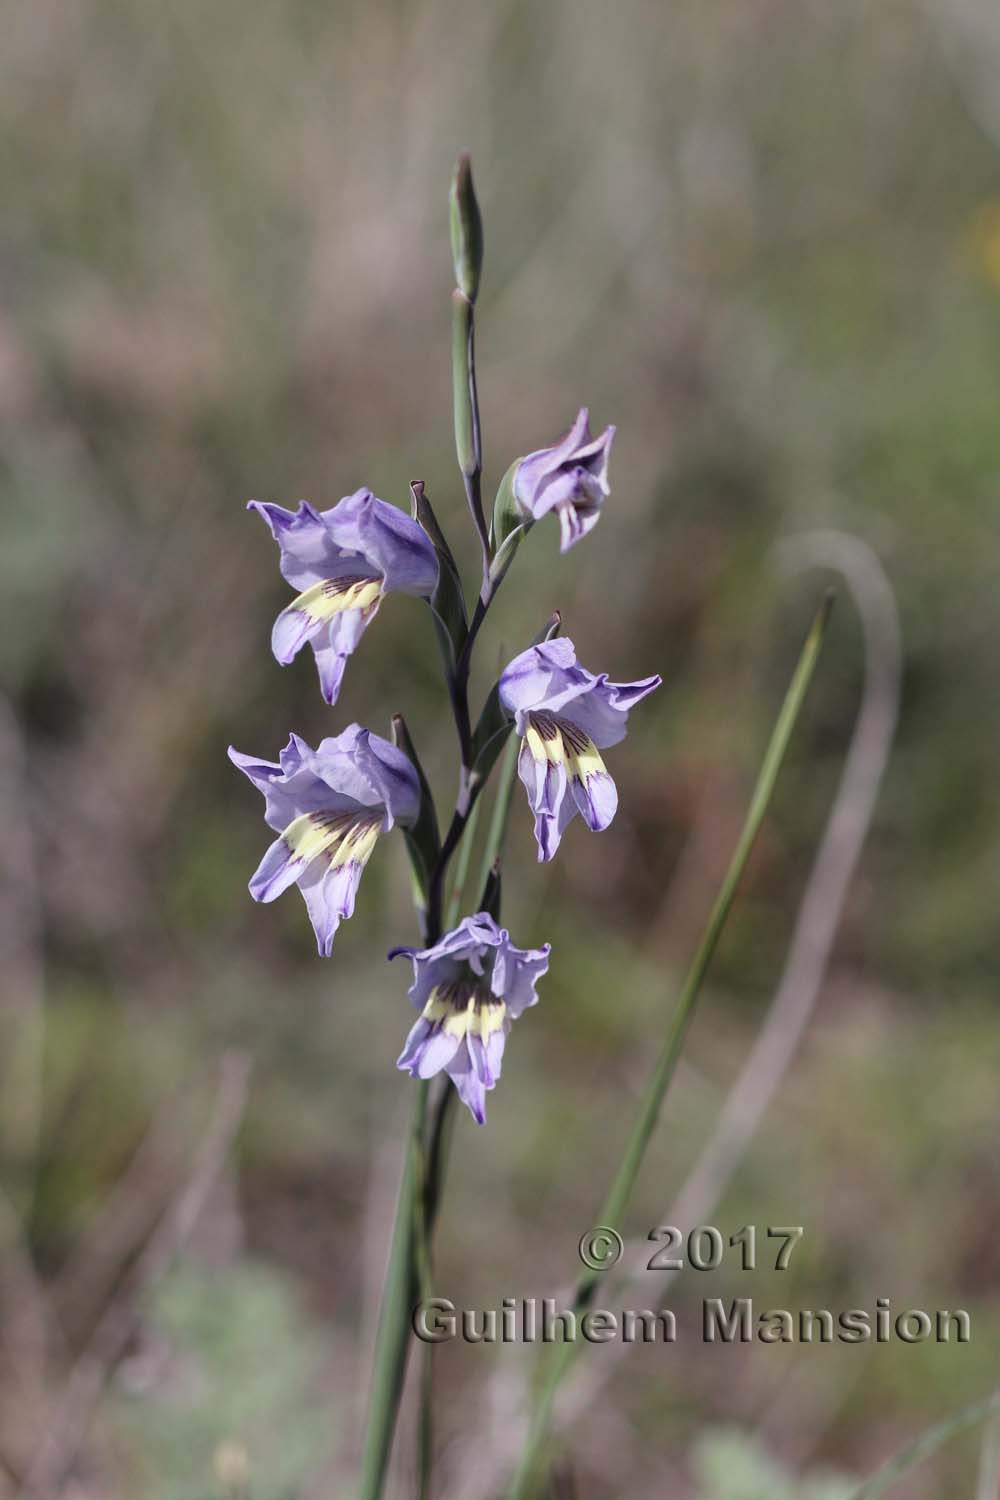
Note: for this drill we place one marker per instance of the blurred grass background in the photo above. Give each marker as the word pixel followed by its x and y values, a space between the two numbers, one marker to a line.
pixel 764 239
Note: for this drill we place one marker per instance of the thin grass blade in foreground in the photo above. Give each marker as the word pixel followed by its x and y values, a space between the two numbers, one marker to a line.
pixel 527 1476
pixel 929 1442
pixel 398 1297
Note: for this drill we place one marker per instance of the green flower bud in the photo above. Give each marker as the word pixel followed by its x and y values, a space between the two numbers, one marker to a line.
pixel 466 229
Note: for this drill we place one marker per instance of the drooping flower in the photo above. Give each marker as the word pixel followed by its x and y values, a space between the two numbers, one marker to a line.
pixel 570 478
pixel 343 561
pixel 328 806
pixel 468 988
pixel 565 717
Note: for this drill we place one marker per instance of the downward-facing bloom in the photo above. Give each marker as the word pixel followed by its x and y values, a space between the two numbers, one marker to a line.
pixel 565 717
pixel 468 988
pixel 570 478
pixel 343 561
pixel 328 806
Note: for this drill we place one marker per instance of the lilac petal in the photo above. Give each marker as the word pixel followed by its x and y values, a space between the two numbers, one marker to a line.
pixel 570 479
pixel 464 944
pixel 414 1055
pixel 468 1085
pixel 602 713
pixel 331 665
pixel 290 631
pixel 572 485
pixel 413 1047
pixel 260 772
pixel 329 893
pixel 470 935
pixel 279 869
pixel 438 1051
pixel 354 772
pixel 480 1066
pixel 516 972
pixel 595 457
pixel 575 524
pixel 369 769
pixel 474 1060
pixel 309 552
pixel 334 643
pixel 290 792
pixel 597 798
pixel 628 694
pixel 536 675
pixel 393 772
pixel 294 755
pixel 397 548
pixel 494 1054
pixel 546 785
pixel 427 1050
pixel 487 1057
pixel 401 549
pixel 548 677
pixel 427 973
pixel 535 467
pixel 360 534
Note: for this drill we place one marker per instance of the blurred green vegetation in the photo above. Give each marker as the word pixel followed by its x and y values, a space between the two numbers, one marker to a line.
pixel 764 240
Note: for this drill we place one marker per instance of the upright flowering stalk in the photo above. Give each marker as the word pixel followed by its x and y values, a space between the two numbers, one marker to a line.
pixel 469 987
pixel 328 806
pixel 566 716
pixel 344 561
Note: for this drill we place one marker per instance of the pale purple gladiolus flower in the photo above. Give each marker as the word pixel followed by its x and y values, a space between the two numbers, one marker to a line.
pixel 343 561
pixel 468 988
pixel 570 478
pixel 329 806
pixel 565 717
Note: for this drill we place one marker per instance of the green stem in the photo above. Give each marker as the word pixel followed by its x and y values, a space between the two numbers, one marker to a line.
pixel 443 1112
pixel 398 1296
pixel 525 1480
pixel 409 1270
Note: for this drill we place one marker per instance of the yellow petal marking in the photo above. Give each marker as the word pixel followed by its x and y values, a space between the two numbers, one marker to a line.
pixel 343 837
pixel 357 844
pixel 461 1009
pixel 551 738
pixel 332 596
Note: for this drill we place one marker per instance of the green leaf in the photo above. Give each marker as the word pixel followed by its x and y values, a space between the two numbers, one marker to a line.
pixel 490 734
pixel 507 514
pixel 448 600
pixel 423 841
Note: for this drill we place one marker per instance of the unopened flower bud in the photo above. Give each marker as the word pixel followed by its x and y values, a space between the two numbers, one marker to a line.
pixel 466 229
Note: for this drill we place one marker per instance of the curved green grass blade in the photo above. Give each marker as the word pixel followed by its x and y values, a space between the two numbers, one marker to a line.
pixel 527 1478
